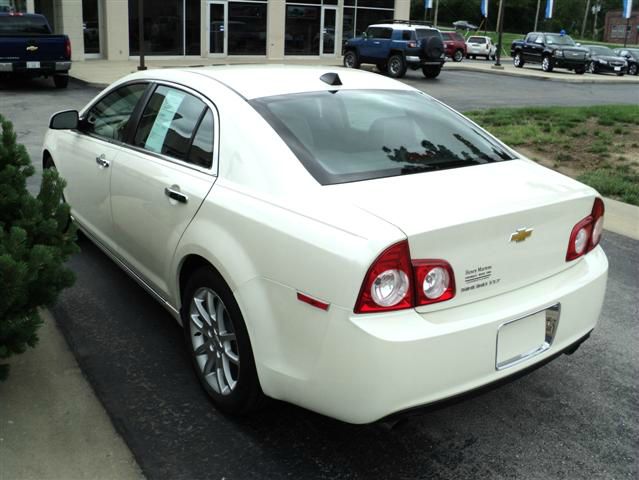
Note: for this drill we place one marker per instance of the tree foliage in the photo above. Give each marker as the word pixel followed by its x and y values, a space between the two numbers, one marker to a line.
pixel 519 15
pixel 35 242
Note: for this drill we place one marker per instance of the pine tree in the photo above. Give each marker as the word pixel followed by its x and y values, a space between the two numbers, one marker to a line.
pixel 36 239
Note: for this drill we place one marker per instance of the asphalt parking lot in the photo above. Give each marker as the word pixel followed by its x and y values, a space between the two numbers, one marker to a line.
pixel 574 418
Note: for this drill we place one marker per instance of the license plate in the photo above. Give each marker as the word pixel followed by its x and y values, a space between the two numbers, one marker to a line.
pixel 33 64
pixel 521 339
pixel 617 69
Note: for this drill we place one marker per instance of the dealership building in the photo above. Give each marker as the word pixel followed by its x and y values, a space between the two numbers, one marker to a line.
pixel 251 29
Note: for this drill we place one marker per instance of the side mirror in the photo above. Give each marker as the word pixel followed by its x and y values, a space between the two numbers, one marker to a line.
pixel 67 120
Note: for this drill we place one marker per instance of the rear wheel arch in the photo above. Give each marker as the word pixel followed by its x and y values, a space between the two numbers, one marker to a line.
pixel 47 160
pixel 188 266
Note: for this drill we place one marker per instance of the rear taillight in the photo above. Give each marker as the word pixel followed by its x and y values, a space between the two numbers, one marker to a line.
pixel 67 49
pixel 434 281
pixel 587 233
pixel 393 282
pixel 388 282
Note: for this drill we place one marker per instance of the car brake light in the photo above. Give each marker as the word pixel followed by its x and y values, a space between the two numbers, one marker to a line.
pixel 393 282
pixel 387 284
pixel 67 49
pixel 586 234
pixel 412 44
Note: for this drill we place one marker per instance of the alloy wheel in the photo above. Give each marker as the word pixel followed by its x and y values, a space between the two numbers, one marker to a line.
pixel 459 55
pixel 214 342
pixel 517 60
pixel 349 60
pixel 394 66
pixel 545 64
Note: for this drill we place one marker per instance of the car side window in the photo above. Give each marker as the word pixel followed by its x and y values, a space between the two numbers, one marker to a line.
pixel 201 152
pixel 168 122
pixel 407 35
pixel 532 38
pixel 110 117
pixel 540 40
pixel 385 33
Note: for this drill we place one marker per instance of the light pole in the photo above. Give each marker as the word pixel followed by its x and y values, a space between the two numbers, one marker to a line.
pixel 537 14
pixel 596 8
pixel 436 12
pixel 141 33
pixel 500 30
pixel 583 25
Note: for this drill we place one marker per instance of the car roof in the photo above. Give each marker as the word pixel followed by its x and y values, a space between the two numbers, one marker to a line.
pixel 401 26
pixel 254 81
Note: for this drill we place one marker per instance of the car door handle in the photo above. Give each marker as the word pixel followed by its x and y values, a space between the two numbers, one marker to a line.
pixel 175 195
pixel 102 161
pixel 376 43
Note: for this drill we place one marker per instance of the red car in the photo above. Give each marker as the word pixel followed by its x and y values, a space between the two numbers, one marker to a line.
pixel 455 46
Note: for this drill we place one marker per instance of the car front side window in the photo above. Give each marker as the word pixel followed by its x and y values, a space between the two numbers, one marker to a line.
pixel 110 116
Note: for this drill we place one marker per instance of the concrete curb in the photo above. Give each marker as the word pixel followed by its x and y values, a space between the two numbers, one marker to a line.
pixel 621 218
pixel 52 424
pixel 537 75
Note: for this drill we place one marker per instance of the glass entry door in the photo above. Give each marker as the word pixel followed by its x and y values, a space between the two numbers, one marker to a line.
pixel 217 28
pixel 329 30
pixel 91 28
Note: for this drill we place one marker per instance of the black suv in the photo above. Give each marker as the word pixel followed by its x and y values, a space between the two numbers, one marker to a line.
pixel 551 50
pixel 395 47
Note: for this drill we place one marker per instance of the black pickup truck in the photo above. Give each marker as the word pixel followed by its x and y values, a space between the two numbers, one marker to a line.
pixel 551 50
pixel 29 49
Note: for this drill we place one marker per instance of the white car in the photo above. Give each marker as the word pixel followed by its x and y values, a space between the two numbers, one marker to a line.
pixel 480 46
pixel 332 238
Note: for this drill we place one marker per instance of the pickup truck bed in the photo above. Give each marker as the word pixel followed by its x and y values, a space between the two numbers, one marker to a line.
pixel 29 49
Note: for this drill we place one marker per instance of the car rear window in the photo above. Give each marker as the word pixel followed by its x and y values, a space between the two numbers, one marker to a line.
pixel 23 25
pixel 476 40
pixel 354 135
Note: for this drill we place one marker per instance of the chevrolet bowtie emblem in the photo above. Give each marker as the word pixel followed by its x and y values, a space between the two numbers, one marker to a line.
pixel 521 234
pixel 31 48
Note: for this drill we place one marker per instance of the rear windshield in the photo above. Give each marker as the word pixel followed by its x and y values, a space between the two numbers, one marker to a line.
pixel 20 25
pixel 476 40
pixel 601 51
pixel 353 135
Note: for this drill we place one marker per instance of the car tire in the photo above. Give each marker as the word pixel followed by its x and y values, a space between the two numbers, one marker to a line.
pixel 351 59
pixel 458 56
pixel 591 68
pixel 396 66
pixel 518 60
pixel 474 57
pixel 547 64
pixel 431 71
pixel 219 347
pixel 632 69
pixel 61 81
pixel 580 71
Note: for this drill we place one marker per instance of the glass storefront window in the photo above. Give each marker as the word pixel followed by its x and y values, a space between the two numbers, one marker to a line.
pixel 171 27
pixel 91 26
pixel 246 28
pixel 369 16
pixel 302 35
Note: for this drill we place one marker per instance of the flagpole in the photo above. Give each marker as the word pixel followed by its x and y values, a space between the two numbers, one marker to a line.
pixel 537 14
pixel 500 29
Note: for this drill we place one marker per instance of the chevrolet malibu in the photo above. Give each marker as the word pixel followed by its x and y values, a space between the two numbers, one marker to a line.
pixel 334 239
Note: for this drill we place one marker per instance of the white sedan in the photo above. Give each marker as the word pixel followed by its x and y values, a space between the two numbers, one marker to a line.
pixel 480 46
pixel 332 238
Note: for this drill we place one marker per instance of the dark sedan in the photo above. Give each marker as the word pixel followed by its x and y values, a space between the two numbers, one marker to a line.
pixel 604 60
pixel 632 57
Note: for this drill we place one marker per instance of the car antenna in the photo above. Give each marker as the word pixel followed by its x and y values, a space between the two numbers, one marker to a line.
pixel 331 78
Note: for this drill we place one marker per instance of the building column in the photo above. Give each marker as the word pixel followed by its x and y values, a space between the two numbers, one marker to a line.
pixel 68 20
pixel 275 29
pixel 402 9
pixel 30 6
pixel 115 34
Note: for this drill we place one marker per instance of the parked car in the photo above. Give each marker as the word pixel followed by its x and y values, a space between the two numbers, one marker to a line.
pixel 632 57
pixel 396 47
pixel 480 46
pixel 551 50
pixel 29 49
pixel 604 60
pixel 464 25
pixel 454 45
pixel 343 242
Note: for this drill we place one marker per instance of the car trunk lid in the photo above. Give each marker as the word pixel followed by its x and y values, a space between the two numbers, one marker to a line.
pixel 501 226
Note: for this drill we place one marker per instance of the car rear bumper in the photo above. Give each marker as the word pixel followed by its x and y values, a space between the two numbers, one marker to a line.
pixel 27 68
pixel 415 60
pixel 361 368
